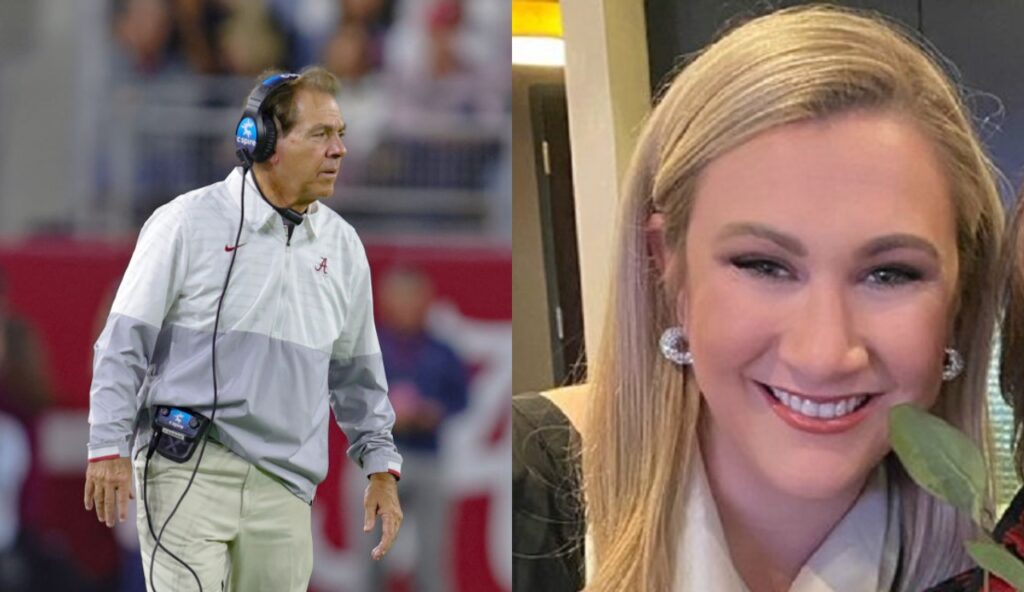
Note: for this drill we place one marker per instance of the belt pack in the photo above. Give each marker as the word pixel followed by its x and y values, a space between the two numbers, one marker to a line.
pixel 177 432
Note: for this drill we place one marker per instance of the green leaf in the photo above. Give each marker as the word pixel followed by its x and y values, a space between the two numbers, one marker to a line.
pixel 939 458
pixel 996 559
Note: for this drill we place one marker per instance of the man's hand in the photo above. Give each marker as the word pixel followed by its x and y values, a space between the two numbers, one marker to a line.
pixel 382 499
pixel 108 487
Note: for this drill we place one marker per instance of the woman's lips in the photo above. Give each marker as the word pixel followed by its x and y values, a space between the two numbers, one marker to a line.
pixel 818 415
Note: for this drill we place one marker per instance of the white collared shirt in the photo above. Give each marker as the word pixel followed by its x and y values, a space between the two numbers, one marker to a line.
pixel 860 554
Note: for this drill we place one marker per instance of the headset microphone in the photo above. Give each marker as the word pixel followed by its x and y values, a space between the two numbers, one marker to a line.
pixel 290 216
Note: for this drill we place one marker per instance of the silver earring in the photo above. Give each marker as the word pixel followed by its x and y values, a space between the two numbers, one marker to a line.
pixel 952 364
pixel 674 347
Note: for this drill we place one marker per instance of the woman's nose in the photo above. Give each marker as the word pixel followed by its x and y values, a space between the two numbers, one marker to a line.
pixel 822 340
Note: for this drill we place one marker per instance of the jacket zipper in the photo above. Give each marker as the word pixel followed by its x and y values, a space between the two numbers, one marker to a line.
pixel 283 292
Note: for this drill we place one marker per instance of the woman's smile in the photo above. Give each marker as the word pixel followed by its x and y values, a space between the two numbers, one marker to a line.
pixel 818 414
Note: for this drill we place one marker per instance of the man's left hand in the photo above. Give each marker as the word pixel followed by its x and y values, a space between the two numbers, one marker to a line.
pixel 381 499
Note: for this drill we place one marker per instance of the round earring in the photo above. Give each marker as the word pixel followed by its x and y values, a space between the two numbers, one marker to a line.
pixel 952 364
pixel 674 347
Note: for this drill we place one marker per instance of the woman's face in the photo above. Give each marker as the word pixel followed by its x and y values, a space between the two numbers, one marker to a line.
pixel 821 268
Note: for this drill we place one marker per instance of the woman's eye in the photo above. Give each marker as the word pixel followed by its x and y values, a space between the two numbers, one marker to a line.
pixel 892 276
pixel 765 268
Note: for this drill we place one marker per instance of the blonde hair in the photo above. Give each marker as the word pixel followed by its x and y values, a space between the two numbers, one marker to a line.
pixel 1011 371
pixel 793 65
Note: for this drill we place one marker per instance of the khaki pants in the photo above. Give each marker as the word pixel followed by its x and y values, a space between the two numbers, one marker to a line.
pixel 239 529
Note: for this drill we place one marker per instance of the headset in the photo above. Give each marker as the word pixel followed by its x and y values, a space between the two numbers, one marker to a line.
pixel 256 134
pixel 178 431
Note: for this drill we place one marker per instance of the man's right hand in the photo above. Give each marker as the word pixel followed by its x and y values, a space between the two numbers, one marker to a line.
pixel 108 487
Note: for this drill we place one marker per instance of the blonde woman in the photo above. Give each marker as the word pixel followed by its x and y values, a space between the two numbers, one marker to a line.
pixel 809 237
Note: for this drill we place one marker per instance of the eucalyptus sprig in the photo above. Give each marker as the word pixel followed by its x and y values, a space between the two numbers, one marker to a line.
pixel 946 463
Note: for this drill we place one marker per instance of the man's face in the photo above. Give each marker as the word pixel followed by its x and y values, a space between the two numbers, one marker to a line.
pixel 306 160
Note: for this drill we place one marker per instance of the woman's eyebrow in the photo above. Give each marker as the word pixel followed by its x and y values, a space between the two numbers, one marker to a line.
pixel 872 248
pixel 892 242
pixel 786 241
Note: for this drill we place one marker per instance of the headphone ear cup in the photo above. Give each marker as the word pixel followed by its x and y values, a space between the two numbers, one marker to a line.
pixel 267 140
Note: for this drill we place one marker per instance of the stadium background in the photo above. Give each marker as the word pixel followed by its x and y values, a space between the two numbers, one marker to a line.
pixel 112 107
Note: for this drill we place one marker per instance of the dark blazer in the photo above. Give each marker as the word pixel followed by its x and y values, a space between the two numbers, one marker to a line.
pixel 547 510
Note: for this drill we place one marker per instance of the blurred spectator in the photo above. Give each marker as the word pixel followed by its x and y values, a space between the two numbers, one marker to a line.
pixel 349 55
pixel 488 46
pixel 158 37
pixel 424 93
pixel 251 41
pixel 373 16
pixel 13 467
pixel 197 22
pixel 443 92
pixel 24 392
pixel 307 24
pixel 376 15
pixel 3 319
pixel 427 385
pixel 25 564
pixel 443 115
pixel 143 29
pixel 24 384
pixel 14 461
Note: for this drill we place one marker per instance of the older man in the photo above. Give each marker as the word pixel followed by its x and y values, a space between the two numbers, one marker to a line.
pixel 295 337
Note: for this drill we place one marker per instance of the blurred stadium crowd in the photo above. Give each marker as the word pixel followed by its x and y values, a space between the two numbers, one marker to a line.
pixel 425 86
pixel 114 107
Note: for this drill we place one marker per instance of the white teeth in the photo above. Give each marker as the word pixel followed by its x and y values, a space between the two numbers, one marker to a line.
pixel 809 408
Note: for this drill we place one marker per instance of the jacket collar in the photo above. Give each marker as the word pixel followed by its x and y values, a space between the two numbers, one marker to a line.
pixel 258 213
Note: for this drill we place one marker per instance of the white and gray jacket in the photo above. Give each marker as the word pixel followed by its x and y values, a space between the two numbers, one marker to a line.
pixel 296 334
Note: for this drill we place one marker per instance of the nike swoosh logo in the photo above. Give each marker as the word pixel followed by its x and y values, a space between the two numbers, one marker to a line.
pixel 229 248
